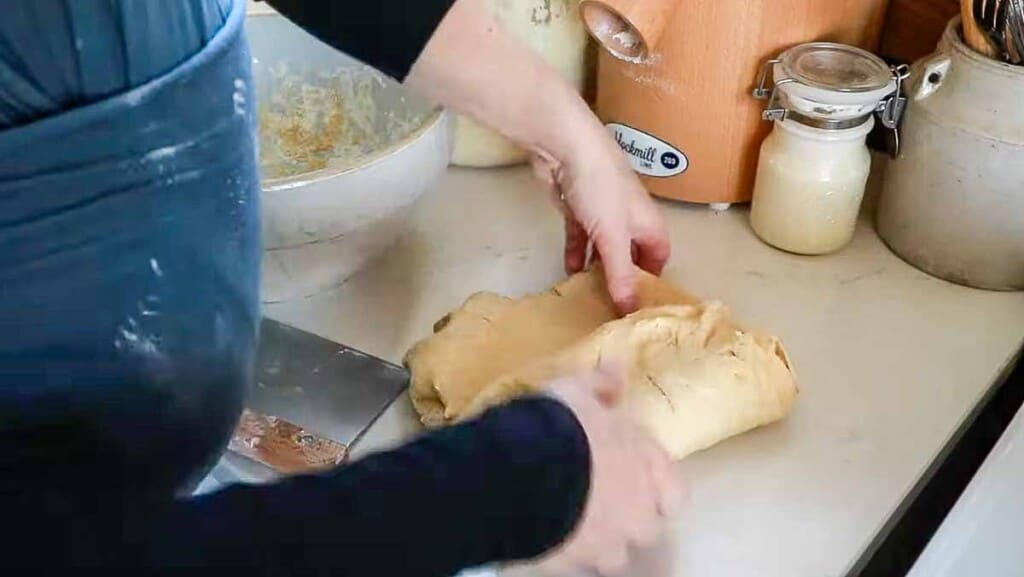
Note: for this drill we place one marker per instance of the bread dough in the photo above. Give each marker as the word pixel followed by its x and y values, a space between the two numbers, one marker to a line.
pixel 491 335
pixel 694 377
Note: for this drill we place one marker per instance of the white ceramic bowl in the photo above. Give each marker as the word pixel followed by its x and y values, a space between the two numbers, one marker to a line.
pixel 323 225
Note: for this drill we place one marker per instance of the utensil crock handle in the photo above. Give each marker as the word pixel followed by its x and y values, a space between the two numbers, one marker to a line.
pixel 627 29
pixel 934 71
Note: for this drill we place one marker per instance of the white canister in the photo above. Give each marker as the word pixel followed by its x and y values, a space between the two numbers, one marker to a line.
pixel 553 29
pixel 814 166
pixel 952 204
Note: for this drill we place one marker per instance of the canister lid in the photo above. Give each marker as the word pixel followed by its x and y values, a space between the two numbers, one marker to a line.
pixel 836 67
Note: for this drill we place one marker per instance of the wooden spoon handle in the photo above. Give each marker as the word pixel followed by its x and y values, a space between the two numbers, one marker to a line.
pixel 973 35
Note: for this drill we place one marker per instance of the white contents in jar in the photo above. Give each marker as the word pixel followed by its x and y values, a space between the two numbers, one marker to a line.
pixel 810 184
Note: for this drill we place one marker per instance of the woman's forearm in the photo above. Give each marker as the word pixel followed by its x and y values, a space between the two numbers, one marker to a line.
pixel 508 486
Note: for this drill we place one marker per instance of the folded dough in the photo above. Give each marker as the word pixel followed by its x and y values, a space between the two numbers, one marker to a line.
pixel 694 377
pixel 491 335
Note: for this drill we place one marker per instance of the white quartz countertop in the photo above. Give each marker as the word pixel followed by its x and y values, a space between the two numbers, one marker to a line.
pixel 890 362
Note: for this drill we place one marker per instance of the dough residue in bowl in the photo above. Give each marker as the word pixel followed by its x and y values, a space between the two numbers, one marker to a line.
pixel 309 122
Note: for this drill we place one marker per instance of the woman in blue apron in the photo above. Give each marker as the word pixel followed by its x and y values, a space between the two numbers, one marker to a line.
pixel 129 277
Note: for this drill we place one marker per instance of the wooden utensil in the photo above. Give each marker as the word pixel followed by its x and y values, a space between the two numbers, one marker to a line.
pixel 973 34
pixel 283 446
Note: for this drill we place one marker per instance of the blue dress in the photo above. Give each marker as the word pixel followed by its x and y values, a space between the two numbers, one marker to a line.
pixel 129 239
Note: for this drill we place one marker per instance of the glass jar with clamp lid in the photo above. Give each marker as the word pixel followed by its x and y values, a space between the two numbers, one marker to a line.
pixel 814 166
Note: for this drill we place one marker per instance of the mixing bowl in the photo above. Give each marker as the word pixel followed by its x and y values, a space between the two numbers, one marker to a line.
pixel 344 154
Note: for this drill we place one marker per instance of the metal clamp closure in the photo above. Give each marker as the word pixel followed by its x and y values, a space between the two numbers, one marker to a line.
pixel 890 111
pixel 772 111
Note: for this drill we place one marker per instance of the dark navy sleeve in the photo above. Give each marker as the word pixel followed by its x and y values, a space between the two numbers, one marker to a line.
pixel 386 34
pixel 508 486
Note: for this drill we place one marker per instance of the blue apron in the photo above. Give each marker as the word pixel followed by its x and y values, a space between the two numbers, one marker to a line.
pixel 129 244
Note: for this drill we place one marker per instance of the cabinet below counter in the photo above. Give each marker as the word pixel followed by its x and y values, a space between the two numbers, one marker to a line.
pixel 981 533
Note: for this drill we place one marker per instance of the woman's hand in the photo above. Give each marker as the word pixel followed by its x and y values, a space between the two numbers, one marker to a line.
pixel 634 486
pixel 608 215
pixel 473 66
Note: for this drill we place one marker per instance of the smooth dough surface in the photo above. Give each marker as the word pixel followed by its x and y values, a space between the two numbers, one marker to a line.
pixel 694 377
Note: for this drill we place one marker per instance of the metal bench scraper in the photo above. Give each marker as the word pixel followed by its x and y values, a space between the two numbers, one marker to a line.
pixel 314 398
